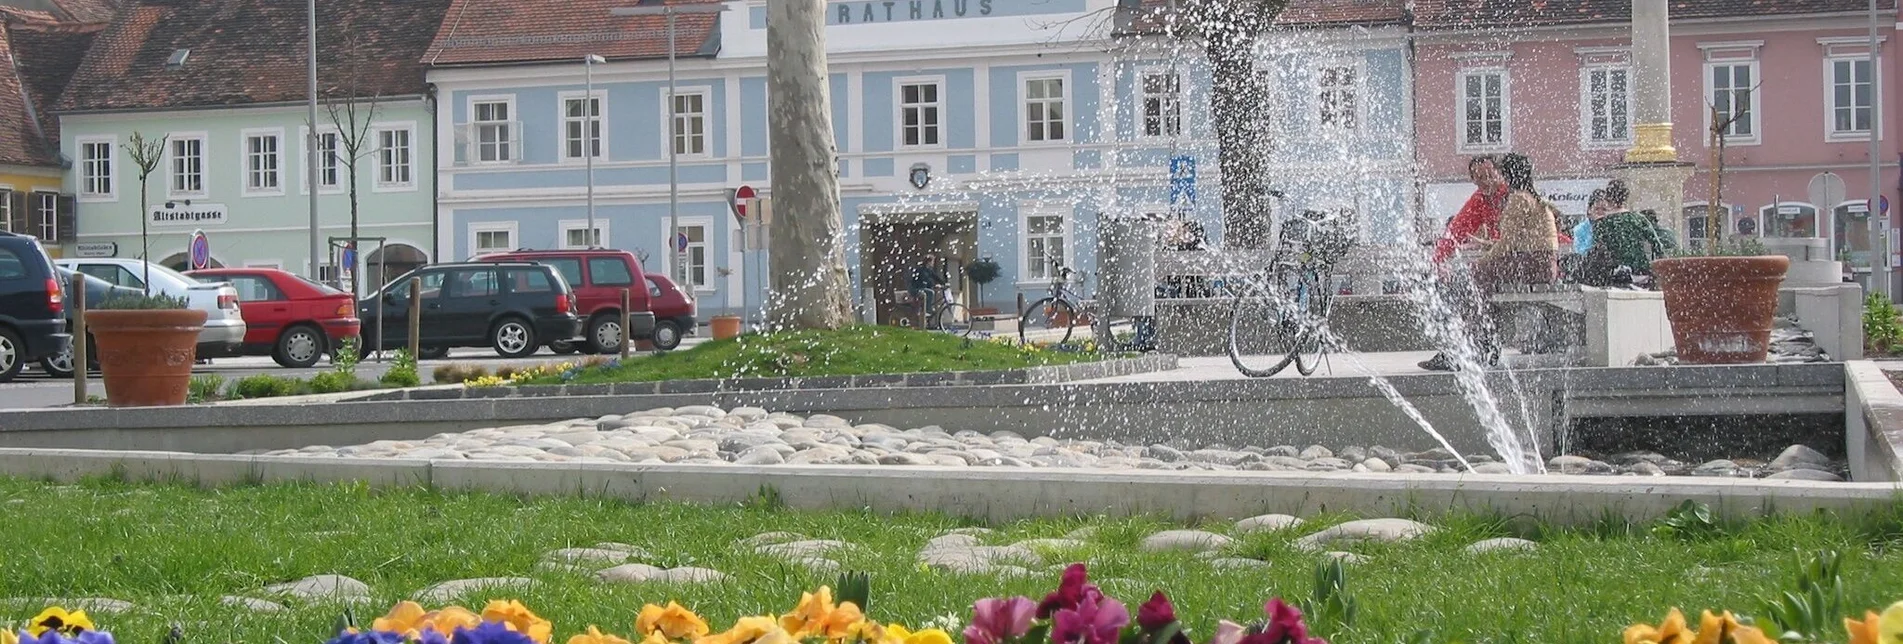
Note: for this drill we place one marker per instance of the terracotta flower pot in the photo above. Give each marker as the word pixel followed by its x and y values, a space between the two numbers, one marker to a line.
pixel 1721 308
pixel 146 355
pixel 724 326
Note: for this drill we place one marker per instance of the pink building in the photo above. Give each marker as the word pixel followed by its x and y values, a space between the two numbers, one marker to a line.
pixel 1554 82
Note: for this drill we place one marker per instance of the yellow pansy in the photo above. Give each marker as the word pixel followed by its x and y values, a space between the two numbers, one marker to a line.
pixel 868 632
pixel 405 617
pixel 899 635
pixel 7 637
pixel 673 622
pixel 55 618
pixel 746 630
pixel 519 619
pixel 450 618
pixel 595 636
pixel 1672 631
pixel 655 638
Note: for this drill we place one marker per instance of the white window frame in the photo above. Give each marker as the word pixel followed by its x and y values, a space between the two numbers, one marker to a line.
pixel 172 139
pixel 43 213
pixel 1586 115
pixel 601 125
pixel 668 117
pixel 512 142
pixel 510 227
pixel 1725 54
pixel 6 208
pixel 1063 101
pixel 1831 133
pixel 82 191
pixel 377 130
pixel 1354 89
pixel 1166 104
pixel 1027 274
pixel 303 156
pixel 571 225
pixel 245 158
pixel 706 242
pixel 1460 106
pixel 898 112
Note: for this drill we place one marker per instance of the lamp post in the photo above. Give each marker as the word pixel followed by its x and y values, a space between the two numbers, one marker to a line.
pixel 310 142
pixel 590 143
pixel 1879 237
pixel 673 166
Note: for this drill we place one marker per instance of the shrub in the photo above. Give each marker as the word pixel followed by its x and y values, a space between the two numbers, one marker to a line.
pixel 141 302
pixel 205 388
pixel 1881 329
pixel 331 382
pixel 507 372
pixel 345 360
pixel 402 371
pixel 448 374
pixel 265 386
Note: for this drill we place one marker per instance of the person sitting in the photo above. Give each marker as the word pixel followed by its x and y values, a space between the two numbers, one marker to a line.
pixel 1526 252
pixel 1624 243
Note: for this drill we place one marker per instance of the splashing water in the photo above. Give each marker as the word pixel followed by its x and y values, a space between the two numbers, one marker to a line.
pixel 1394 396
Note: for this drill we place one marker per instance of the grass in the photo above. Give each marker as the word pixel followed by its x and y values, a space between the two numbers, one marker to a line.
pixel 173 550
pixel 849 351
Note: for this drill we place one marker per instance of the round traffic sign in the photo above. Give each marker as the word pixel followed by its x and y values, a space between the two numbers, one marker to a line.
pixel 200 251
pixel 680 242
pixel 740 199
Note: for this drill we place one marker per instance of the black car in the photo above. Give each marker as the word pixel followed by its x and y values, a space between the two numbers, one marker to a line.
pixel 514 308
pixel 32 305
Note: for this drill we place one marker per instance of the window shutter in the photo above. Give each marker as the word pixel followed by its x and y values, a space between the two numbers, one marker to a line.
pixel 66 224
pixel 17 210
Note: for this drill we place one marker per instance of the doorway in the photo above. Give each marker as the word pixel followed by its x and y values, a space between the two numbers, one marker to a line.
pixel 891 245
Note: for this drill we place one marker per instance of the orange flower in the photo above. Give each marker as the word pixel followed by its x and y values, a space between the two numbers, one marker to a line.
pixel 673 622
pixel 519 619
pixel 1864 632
pixel 1672 631
pixel 405 617
pixel 744 631
pixel 595 636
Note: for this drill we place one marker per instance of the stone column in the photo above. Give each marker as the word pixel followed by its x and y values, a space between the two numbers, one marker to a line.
pixel 807 255
pixel 1651 168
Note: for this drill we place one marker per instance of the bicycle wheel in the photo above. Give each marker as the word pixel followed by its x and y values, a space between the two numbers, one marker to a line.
pixel 1263 327
pixel 1045 315
pixel 1314 343
pixel 955 319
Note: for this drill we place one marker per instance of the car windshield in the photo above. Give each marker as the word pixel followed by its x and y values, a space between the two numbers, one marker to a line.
pixel 322 288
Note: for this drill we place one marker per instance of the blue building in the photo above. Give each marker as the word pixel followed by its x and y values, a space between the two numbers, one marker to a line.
pixel 965 129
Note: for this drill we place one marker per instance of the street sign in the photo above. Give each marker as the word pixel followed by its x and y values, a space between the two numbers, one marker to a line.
pixel 740 197
pixel 755 229
pixel 200 251
pixel 680 242
pixel 96 249
pixel 1183 180
pixel 1883 204
pixel 1826 190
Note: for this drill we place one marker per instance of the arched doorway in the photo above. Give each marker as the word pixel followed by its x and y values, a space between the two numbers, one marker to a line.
pixel 391 261
pixel 182 262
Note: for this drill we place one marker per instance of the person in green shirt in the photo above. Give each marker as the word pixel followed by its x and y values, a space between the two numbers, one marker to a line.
pixel 1624 243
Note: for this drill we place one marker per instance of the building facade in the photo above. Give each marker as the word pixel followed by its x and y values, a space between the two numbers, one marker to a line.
pixel 227 122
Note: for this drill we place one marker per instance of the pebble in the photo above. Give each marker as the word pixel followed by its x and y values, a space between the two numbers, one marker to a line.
pixel 1266 523
pixel 1385 530
pixel 1806 474
pixel 598 557
pixel 1503 544
pixel 446 592
pixel 1190 540
pixel 322 587
pixel 1237 563
pixel 701 434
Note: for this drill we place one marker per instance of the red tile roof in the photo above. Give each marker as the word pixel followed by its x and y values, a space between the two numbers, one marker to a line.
pixel 252 51
pixel 1470 14
pixel 87 11
pixel 37 55
pixel 523 31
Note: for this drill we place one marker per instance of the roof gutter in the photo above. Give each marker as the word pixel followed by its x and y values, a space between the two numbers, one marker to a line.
pixel 1860 16
pixel 241 106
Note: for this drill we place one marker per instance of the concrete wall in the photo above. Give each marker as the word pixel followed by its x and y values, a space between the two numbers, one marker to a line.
pixel 1834 315
pixel 1873 423
pixel 1622 325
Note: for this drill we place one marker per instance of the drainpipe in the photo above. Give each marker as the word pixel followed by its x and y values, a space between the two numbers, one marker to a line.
pixel 435 161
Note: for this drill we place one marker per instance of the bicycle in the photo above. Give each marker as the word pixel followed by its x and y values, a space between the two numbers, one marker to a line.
pixel 946 316
pixel 1290 301
pixel 1060 303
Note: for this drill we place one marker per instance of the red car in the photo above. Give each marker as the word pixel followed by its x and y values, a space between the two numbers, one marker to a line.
pixel 673 310
pixel 294 320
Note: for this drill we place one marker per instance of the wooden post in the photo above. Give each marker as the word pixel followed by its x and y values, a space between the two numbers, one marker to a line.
pixel 627 332
pixel 416 318
pixel 80 359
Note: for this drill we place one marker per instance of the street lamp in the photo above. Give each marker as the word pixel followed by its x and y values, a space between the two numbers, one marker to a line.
pixel 310 139
pixel 673 142
pixel 590 142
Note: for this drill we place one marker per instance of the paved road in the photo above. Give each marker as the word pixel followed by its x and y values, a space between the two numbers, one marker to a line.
pixel 36 389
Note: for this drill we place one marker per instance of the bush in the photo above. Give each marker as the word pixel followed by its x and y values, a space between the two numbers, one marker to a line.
pixel 331 382
pixel 402 371
pixel 265 386
pixel 1882 332
pixel 205 388
pixel 455 374
pixel 141 302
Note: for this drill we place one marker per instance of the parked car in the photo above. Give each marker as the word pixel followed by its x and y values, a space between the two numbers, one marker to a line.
pixel 292 319
pixel 598 276
pixel 32 305
pixel 224 323
pixel 512 307
pixel 60 365
pixel 674 312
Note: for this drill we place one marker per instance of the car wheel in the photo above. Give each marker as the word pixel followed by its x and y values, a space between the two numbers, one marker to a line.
pixel 512 338
pixel 563 347
pixel 667 335
pixel 604 334
pixel 10 352
pixel 299 347
pixel 60 365
pixel 432 353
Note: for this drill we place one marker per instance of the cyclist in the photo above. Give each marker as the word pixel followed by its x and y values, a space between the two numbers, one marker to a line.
pixel 924 284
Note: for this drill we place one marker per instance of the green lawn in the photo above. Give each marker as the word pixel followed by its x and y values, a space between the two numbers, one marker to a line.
pixel 850 351
pixel 174 550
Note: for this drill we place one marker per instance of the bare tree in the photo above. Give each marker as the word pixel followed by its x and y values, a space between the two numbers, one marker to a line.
pixel 353 114
pixel 1227 32
pixel 146 155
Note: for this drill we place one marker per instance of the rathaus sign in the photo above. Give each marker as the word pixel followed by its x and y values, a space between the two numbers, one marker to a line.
pixel 863 12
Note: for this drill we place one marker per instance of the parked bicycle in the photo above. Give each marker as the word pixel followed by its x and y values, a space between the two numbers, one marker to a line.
pixel 945 314
pixel 1059 308
pixel 1283 311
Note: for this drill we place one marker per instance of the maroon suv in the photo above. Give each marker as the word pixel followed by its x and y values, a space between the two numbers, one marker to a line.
pixel 598 275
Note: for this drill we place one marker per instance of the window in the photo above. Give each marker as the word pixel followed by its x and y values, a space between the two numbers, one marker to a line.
pixel 581 127
pixel 1335 86
pixel 1733 93
pixel 1697 223
pixel 329 161
pixel 95 168
pixel 188 165
pixel 12 267
pixel 46 217
pixel 1483 109
pixel 575 234
pixel 609 271
pixel 692 269
pixel 491 238
pixel 431 285
pixel 495 133
pixel 112 274
pixel 688 117
pixel 1607 94
pixel 393 158
pixel 1849 97
pixel 263 163
pixel 474 283
pixel 1162 104
pixel 252 288
pixel 528 281
pixel 1044 244
pixel 7 222
pixel 920 109
pixel 1044 118
pixel 570 269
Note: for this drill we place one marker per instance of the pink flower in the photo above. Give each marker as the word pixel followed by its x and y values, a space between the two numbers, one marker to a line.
pixel 997 620
pixel 1156 613
pixel 1285 626
pixel 1095 620
pixel 1227 632
pixel 1070 592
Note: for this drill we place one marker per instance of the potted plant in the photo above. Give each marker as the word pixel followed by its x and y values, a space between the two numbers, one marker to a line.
pixel 1721 300
pixel 147 344
pixel 982 272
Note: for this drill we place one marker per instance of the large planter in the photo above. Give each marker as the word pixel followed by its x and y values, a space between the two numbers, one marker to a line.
pixel 1721 308
pixel 724 326
pixel 146 355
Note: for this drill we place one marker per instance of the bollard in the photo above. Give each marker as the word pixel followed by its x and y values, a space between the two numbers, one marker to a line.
pixel 1021 306
pixel 416 318
pixel 627 332
pixel 80 357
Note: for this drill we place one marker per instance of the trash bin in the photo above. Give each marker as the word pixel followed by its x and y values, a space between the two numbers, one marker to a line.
pixel 1126 265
